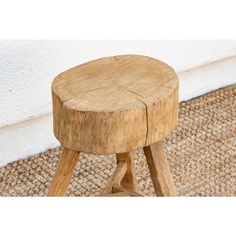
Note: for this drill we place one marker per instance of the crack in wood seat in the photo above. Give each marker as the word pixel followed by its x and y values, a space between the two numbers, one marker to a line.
pixel 115 105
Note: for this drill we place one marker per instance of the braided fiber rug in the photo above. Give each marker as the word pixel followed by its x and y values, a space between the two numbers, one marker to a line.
pixel 201 152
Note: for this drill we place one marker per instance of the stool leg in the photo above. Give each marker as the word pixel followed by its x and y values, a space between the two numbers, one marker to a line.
pixel 62 177
pixel 124 176
pixel 115 179
pixel 129 179
pixel 159 170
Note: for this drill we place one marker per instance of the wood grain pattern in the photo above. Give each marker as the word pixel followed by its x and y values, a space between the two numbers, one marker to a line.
pixel 63 173
pixel 159 170
pixel 129 179
pixel 115 104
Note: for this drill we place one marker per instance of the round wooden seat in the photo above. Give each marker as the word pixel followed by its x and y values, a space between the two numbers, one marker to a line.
pixel 115 104
pixel 112 106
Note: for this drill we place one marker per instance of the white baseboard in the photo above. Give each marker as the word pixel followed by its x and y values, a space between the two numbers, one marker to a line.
pixel 27 138
pixel 33 136
pixel 207 78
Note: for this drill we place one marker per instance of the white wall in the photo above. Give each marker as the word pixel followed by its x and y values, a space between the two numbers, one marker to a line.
pixel 27 69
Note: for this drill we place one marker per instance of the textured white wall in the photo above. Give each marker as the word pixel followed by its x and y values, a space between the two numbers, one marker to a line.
pixel 27 69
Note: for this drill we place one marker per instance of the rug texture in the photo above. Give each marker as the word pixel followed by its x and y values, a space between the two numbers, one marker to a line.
pixel 201 153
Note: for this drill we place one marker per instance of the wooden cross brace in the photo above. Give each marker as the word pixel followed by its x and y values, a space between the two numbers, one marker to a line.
pixel 123 181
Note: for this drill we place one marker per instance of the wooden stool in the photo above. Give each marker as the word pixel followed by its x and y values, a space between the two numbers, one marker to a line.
pixel 115 105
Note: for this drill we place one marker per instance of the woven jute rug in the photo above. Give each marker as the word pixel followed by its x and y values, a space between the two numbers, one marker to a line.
pixel 201 153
